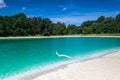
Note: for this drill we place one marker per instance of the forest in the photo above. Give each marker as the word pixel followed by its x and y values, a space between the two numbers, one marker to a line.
pixel 21 25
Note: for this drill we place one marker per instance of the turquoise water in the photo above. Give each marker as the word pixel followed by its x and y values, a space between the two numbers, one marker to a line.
pixel 22 54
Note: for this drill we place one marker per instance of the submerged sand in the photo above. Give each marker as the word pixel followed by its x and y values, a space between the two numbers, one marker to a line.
pixel 103 68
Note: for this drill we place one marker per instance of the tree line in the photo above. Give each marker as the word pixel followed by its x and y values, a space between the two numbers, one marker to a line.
pixel 21 25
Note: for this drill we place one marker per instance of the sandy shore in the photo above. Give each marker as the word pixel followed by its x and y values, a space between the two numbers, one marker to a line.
pixel 103 68
pixel 63 36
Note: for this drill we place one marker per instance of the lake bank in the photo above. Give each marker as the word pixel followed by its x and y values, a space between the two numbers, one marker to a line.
pixel 62 36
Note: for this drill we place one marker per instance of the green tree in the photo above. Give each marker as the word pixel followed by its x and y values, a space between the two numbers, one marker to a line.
pixel 72 29
pixel 21 25
pixel 87 23
pixel 101 19
pixel 59 29
pixel 118 23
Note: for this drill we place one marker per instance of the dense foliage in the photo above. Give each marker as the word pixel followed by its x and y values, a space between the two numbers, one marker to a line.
pixel 21 25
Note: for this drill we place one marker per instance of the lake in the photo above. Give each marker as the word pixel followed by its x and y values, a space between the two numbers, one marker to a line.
pixel 19 55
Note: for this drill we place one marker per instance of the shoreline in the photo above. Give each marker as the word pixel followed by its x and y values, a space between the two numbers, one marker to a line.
pixel 63 36
pixel 105 65
pixel 38 74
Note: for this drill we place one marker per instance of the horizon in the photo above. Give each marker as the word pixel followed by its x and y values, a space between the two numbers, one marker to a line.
pixel 68 12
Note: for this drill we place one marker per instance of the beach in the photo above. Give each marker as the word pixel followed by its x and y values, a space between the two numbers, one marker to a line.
pixel 106 67
pixel 59 36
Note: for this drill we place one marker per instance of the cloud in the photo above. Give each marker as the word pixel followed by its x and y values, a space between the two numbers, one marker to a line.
pixel 72 19
pixel 23 8
pixel 78 18
pixel 2 4
pixel 64 9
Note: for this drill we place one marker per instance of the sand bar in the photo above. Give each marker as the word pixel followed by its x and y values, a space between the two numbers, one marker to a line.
pixel 63 36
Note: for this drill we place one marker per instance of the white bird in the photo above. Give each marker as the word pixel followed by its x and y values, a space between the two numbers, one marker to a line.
pixel 62 55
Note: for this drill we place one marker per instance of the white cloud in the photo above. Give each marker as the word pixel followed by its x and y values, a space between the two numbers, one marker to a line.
pixel 23 8
pixel 2 4
pixel 78 18
pixel 73 19
pixel 64 9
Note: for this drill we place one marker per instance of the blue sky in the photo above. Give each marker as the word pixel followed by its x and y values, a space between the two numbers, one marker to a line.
pixel 67 11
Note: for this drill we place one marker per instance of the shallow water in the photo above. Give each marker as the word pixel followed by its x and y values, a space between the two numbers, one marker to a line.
pixel 17 55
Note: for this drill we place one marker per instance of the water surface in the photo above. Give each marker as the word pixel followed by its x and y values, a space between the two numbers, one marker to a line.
pixel 17 55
